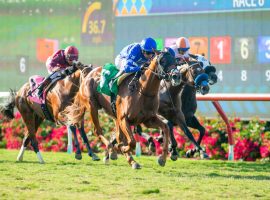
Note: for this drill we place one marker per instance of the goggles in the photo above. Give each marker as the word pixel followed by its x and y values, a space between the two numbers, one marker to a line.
pixel 182 50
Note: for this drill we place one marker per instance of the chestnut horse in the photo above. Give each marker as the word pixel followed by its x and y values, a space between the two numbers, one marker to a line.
pixel 173 102
pixel 134 108
pixel 57 100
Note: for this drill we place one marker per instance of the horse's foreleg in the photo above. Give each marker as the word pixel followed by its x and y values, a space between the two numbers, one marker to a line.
pixel 86 142
pixel 156 122
pixel 187 132
pixel 125 128
pixel 194 123
pixel 173 146
pixel 78 153
pixel 98 131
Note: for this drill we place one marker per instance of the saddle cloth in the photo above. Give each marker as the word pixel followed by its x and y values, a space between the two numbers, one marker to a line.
pixel 34 82
pixel 108 82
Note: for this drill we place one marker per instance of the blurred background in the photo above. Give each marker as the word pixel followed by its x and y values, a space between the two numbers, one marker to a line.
pixel 233 34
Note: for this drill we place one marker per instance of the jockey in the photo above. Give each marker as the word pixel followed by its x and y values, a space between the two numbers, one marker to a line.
pixel 181 49
pixel 133 57
pixel 170 50
pixel 61 59
pixel 182 55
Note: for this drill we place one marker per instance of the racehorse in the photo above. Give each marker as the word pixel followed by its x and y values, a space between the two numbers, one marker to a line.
pixel 176 105
pixel 132 108
pixel 58 98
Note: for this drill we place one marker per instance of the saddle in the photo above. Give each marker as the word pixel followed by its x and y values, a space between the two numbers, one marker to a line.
pixel 35 82
pixel 109 84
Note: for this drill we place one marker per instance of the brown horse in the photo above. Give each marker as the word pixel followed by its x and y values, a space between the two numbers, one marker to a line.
pixel 57 99
pixel 173 104
pixel 134 108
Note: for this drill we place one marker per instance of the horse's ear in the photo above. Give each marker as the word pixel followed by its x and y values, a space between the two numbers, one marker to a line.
pixel 157 52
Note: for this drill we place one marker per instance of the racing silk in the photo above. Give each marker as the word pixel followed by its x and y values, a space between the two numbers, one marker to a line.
pixel 130 58
pixel 57 60
pixel 178 56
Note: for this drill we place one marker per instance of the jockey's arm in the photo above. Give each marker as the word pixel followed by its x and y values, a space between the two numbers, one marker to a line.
pixel 131 66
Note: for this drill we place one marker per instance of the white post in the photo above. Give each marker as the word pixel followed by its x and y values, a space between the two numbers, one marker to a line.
pixel 70 146
pixel 231 153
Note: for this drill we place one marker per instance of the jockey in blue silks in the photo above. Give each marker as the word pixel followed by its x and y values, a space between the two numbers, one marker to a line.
pixel 133 56
pixel 131 59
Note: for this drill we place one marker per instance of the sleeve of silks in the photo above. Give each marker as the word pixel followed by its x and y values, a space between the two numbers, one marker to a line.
pixel 50 65
pixel 131 67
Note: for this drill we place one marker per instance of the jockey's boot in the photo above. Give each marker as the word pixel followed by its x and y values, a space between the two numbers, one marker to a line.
pixel 113 100
pixel 134 81
pixel 43 85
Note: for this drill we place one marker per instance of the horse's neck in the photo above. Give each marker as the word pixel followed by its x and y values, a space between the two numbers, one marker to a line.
pixel 150 81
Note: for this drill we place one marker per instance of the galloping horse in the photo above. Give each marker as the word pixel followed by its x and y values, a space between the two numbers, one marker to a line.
pixel 175 102
pixel 172 108
pixel 57 100
pixel 140 106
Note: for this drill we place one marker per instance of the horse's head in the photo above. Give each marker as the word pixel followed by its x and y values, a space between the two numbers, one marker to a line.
pixel 209 69
pixel 167 67
pixel 194 74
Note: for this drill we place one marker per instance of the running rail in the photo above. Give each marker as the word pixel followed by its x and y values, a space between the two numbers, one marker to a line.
pixel 214 98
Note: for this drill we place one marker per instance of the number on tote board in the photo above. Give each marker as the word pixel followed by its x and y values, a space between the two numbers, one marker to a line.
pixel 267 74
pixel 267 54
pixel 220 48
pixel 22 64
pixel 244 49
pixel 244 75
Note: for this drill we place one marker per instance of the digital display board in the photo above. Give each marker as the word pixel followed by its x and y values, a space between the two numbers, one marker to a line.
pixel 234 36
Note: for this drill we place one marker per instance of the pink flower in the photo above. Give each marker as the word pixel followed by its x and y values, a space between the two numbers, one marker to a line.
pixel 264 151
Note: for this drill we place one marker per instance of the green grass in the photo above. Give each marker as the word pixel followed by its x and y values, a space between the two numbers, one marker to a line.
pixel 63 177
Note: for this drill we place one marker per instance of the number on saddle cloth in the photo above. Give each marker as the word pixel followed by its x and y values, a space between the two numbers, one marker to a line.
pixel 107 84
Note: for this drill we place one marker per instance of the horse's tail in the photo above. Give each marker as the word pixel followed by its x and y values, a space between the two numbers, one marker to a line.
pixel 74 113
pixel 7 110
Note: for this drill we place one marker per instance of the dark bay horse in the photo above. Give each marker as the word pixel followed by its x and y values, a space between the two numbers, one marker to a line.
pixel 134 108
pixel 177 104
pixel 57 100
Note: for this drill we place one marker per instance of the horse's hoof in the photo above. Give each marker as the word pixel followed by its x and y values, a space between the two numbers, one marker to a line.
pixel 113 156
pixel 203 155
pixel 95 157
pixel 136 166
pixel 78 156
pixel 19 159
pixel 161 162
pixel 106 160
pixel 190 153
pixel 174 157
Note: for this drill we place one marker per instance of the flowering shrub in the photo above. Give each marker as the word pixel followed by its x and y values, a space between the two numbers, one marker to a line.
pixel 252 138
